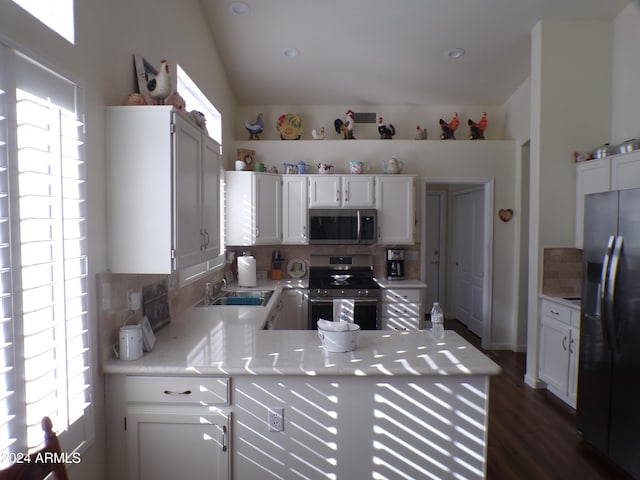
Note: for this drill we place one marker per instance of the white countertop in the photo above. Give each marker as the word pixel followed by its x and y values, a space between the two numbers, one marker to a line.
pixel 406 283
pixel 230 341
pixel 569 303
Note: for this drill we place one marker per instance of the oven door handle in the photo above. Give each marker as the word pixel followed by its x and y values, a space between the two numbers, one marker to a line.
pixel 357 300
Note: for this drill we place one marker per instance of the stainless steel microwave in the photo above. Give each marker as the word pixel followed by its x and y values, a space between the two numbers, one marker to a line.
pixel 345 226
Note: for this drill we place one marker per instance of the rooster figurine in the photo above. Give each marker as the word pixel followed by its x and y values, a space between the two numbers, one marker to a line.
pixel 159 87
pixel 346 127
pixel 421 133
pixel 449 129
pixel 386 132
pixel 476 130
pixel 255 129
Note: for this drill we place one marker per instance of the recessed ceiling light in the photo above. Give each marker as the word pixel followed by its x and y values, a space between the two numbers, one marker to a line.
pixel 291 52
pixel 239 8
pixel 455 53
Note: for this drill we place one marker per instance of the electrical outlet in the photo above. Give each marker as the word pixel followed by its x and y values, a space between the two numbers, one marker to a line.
pixel 133 300
pixel 275 419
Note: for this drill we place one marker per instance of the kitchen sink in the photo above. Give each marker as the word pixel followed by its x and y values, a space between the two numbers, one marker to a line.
pixel 257 298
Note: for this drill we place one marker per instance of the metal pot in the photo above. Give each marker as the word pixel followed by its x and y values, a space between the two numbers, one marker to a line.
pixel 602 151
pixel 628 146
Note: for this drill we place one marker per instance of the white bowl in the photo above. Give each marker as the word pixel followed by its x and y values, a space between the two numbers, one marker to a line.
pixel 338 342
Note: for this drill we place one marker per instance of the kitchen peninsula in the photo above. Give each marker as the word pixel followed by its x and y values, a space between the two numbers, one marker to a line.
pixel 401 402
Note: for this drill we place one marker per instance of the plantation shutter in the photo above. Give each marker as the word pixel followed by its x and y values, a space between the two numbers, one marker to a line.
pixel 48 367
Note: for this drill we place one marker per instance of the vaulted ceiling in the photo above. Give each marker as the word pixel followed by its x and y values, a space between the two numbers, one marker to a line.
pixel 384 52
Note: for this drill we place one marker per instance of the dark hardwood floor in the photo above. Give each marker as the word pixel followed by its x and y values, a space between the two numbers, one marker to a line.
pixel 532 434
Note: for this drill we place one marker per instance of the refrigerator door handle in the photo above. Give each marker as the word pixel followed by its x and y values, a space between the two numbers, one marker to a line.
pixel 611 291
pixel 603 297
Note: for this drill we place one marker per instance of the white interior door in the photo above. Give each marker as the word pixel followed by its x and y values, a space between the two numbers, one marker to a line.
pixel 434 248
pixel 468 242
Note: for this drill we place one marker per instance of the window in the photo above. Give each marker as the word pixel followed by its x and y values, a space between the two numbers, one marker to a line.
pixel 55 14
pixel 196 100
pixel 44 320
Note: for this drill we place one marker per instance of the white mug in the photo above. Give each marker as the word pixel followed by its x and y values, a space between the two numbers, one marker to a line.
pixel 240 165
pixel 130 346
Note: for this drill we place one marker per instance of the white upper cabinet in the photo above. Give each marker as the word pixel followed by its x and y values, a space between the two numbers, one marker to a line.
pixel 163 183
pixel 396 209
pixel 253 208
pixel 294 209
pixel 341 191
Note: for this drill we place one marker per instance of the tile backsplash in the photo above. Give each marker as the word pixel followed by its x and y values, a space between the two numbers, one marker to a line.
pixel 562 272
pixel 113 292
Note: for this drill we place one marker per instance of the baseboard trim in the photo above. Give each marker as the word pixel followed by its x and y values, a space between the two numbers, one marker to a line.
pixel 534 382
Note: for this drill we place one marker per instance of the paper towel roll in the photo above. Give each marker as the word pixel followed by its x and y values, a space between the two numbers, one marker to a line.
pixel 246 271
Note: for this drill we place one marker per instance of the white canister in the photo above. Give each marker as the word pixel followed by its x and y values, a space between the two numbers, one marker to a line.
pixel 240 165
pixel 247 271
pixel 130 342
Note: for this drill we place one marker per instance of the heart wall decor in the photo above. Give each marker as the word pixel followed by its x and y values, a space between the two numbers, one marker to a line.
pixel 505 214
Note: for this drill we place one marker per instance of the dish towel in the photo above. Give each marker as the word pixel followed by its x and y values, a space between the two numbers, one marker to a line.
pixel 343 310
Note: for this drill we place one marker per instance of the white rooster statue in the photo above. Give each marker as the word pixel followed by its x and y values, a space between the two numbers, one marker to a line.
pixel 159 87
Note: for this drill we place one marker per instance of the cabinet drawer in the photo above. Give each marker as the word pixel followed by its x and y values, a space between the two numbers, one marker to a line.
pixel 177 390
pixel 400 310
pixel 556 311
pixel 391 295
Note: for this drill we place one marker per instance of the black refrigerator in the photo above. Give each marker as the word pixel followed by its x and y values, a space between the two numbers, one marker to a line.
pixel 608 406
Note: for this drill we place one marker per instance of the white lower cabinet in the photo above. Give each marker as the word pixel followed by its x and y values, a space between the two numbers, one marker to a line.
pixel 177 443
pixel 168 427
pixel 402 309
pixel 559 349
pixel 293 315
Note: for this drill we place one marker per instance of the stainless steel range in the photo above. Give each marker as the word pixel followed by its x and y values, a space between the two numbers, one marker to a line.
pixel 343 280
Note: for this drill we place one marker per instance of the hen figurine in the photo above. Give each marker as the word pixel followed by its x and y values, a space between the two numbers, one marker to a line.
pixel 318 135
pixel 159 87
pixel 346 127
pixel 449 129
pixel 421 133
pixel 255 129
pixel 386 132
pixel 476 130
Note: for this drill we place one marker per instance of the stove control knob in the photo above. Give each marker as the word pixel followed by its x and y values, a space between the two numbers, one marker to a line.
pixel 359 293
pixel 326 293
pixel 342 292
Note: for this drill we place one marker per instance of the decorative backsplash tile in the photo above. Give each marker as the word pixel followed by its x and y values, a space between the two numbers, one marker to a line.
pixel 562 272
pixel 114 312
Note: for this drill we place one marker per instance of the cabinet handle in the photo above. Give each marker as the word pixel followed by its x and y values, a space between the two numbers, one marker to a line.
pixel 171 392
pixel 346 195
pixel 564 343
pixel 337 195
pixel 206 243
pixel 554 312
pixel 224 438
pixel 571 345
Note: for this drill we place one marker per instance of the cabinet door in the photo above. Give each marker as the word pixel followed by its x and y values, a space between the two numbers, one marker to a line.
pixel 592 176
pixel 293 313
pixel 188 154
pixel 267 204
pixel 294 209
pixel 324 191
pixel 396 209
pixel 625 171
pixel 574 355
pixel 167 444
pixel 358 191
pixel 211 198
pixel 555 339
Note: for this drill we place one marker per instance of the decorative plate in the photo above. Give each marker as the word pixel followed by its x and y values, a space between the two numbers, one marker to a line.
pixel 296 268
pixel 289 126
